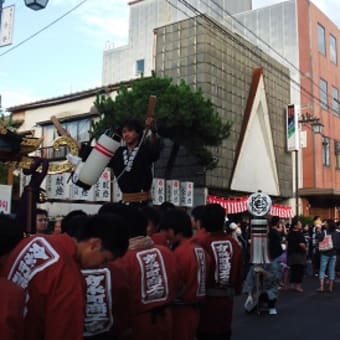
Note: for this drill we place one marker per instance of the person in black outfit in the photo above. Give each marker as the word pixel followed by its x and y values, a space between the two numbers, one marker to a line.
pixel 274 243
pixel 132 163
pixel 296 254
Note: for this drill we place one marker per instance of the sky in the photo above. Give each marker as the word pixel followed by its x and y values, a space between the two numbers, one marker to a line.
pixel 67 56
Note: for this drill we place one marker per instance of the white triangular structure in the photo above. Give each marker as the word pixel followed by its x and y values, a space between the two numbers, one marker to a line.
pixel 256 164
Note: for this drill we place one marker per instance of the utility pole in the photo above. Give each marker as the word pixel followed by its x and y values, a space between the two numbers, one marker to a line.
pixel 317 127
pixel 297 169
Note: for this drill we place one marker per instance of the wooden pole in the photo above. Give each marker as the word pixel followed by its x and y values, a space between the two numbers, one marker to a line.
pixel 151 106
pixel 10 177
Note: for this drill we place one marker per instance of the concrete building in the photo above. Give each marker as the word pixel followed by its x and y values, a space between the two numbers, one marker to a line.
pixel 246 86
pixel 128 62
pixel 304 39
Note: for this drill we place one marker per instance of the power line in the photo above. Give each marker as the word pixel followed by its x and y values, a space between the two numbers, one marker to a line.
pixel 44 28
pixel 222 29
pixel 211 24
pixel 316 99
pixel 234 19
pixel 231 35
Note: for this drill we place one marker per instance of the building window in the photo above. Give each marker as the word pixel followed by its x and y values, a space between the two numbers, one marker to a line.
pixel 333 49
pixel 140 66
pixel 337 153
pixel 335 100
pixel 321 39
pixel 323 94
pixel 78 129
pixel 325 151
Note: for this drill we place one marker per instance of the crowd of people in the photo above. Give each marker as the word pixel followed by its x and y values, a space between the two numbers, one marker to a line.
pixel 149 272
pixel 126 272
pixel 133 271
pixel 296 250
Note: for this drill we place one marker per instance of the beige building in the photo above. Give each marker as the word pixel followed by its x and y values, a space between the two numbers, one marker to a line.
pixel 74 113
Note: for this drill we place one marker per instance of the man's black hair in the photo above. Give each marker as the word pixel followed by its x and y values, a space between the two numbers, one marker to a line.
pixel 10 234
pixel 274 221
pixel 110 207
pixel 152 214
pixel 213 217
pixel 67 225
pixel 40 211
pixel 110 229
pixel 197 212
pixel 133 124
pixel 331 225
pixel 178 220
pixel 136 221
pixel 295 220
pixel 166 206
pixel 74 225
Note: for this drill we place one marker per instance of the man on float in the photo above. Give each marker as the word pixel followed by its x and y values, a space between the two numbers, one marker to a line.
pixel 132 163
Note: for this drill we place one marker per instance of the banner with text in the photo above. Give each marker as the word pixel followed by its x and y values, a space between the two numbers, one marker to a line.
pixel 240 204
pixel 292 127
pixel 5 199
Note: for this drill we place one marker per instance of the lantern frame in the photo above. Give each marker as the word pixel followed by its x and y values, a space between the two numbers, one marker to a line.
pixel 36 5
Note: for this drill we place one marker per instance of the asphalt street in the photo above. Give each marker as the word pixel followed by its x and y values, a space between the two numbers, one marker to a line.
pixel 301 316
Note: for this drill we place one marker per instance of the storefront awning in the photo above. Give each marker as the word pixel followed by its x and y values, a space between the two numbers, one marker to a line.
pixel 240 204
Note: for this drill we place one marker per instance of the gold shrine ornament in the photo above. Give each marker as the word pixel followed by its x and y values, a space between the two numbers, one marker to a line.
pixel 56 167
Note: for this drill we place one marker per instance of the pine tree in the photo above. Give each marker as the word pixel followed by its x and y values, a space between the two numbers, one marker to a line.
pixel 184 116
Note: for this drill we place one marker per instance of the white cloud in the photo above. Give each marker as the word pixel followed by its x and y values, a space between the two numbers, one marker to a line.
pixel 106 28
pixel 101 20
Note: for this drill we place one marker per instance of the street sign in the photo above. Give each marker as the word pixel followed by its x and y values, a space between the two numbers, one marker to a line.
pixel 7 24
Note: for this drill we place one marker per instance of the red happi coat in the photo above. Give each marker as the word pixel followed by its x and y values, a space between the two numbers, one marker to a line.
pixel 224 280
pixel 192 266
pixel 12 302
pixel 108 301
pixel 160 238
pixel 153 279
pixel 46 268
pixel 199 236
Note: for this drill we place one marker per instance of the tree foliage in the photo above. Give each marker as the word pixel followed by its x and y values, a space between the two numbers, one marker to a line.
pixel 6 121
pixel 182 115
